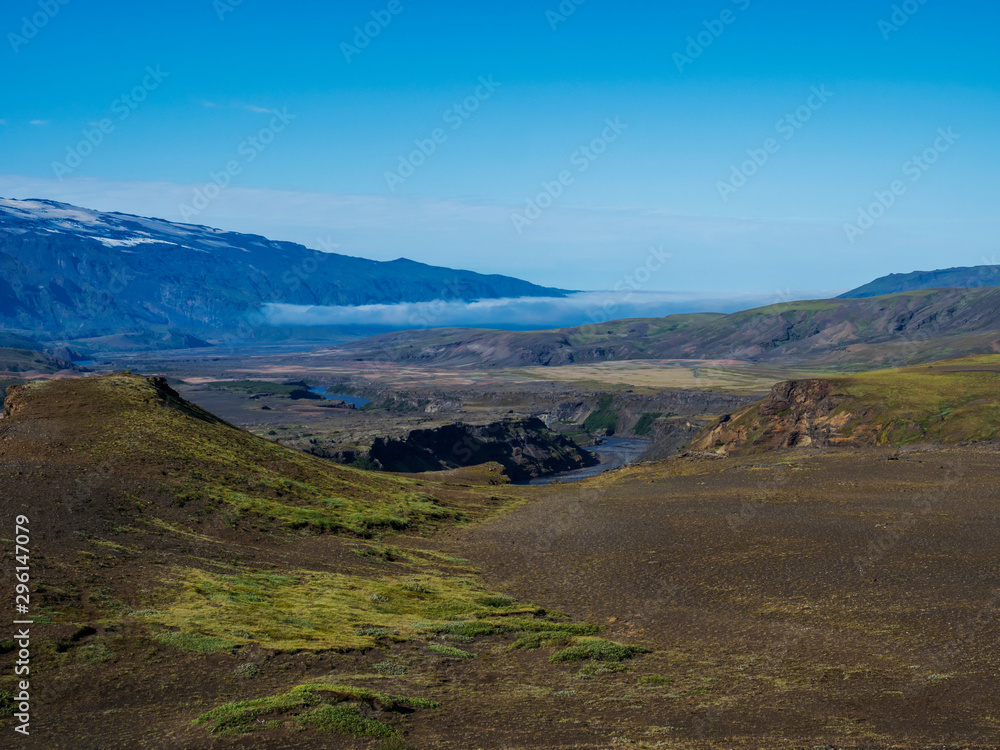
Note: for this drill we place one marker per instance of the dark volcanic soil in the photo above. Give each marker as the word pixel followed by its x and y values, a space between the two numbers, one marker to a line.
pixel 805 600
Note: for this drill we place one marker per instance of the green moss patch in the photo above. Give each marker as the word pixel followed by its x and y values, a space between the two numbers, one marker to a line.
pixel 603 417
pixel 455 653
pixel 308 610
pixel 596 649
pixel 645 424
pixel 337 709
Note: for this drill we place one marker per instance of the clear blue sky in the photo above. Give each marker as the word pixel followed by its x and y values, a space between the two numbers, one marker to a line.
pixel 887 92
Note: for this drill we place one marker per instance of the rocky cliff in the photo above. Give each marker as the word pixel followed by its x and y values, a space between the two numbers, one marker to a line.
pixel 526 449
pixel 795 413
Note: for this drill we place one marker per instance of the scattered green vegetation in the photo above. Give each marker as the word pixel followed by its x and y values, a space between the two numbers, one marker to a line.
pixel 330 708
pixel 603 417
pixel 395 743
pixel 596 669
pixel 596 649
pixel 345 720
pixel 247 670
pixel 7 705
pixel 389 668
pixel 456 653
pixel 645 424
pixel 541 638
pixel 95 652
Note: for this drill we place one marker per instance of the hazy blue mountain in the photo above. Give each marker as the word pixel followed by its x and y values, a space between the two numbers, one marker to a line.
pixel 72 273
pixel 907 282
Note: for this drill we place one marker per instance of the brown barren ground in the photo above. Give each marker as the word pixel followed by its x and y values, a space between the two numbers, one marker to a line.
pixel 806 600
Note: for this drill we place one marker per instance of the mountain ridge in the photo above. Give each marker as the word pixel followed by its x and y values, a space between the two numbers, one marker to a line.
pixel 960 276
pixel 904 328
pixel 72 273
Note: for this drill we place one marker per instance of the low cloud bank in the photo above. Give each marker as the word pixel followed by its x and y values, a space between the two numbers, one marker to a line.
pixel 518 313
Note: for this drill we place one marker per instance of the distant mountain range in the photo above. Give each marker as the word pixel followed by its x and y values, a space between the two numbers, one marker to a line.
pixel 976 276
pixel 910 327
pixel 69 273
pixel 80 281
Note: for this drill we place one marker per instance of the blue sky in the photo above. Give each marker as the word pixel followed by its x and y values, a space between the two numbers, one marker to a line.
pixel 319 172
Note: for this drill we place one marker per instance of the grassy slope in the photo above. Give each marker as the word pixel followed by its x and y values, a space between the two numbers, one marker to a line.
pixel 204 540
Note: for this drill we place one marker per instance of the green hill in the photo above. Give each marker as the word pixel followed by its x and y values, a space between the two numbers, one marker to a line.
pixel 193 581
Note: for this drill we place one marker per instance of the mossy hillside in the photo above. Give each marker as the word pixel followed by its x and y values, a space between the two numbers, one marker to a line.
pixel 919 404
pixel 145 428
pixel 309 610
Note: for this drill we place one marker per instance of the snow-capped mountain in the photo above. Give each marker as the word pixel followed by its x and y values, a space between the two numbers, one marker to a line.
pixel 72 273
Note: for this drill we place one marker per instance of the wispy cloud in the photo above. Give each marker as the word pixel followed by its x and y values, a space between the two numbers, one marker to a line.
pixel 516 313
pixel 39 122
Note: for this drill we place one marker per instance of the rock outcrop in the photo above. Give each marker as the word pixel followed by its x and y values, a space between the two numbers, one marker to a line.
pixel 797 413
pixel 526 449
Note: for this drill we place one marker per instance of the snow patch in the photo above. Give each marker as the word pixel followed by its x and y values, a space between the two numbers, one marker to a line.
pixel 130 242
